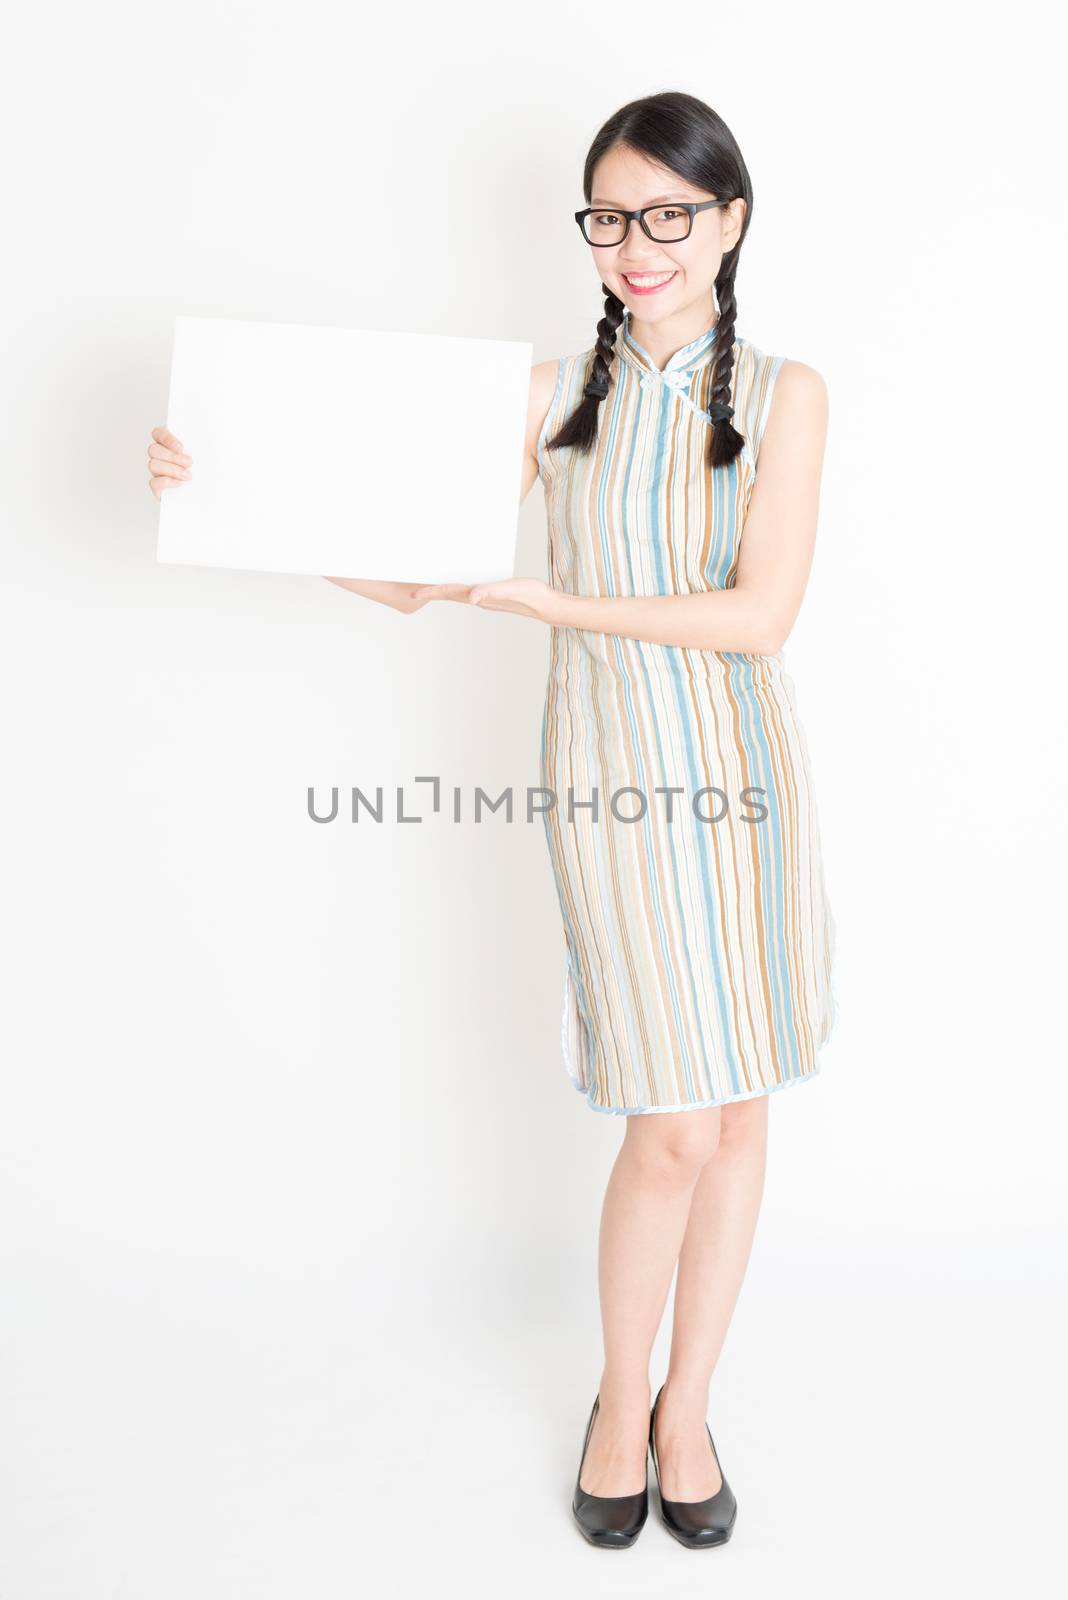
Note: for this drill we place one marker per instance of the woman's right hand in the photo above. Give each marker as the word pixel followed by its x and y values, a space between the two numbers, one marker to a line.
pixel 167 461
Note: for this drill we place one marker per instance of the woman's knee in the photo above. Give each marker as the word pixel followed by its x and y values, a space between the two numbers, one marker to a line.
pixel 744 1122
pixel 675 1144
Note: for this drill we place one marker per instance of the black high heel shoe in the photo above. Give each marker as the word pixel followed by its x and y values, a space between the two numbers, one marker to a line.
pixel 696 1523
pixel 612 1521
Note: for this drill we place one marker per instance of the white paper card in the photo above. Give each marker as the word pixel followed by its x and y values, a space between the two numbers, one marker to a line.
pixel 346 452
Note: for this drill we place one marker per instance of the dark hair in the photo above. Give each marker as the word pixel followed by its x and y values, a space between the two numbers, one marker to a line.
pixel 687 137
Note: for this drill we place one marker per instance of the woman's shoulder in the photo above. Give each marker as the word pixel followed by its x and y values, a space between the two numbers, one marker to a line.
pixel 763 367
pixel 555 383
pixel 545 379
pixel 765 380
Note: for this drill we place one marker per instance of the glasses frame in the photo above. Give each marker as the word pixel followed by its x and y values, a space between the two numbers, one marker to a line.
pixel 690 206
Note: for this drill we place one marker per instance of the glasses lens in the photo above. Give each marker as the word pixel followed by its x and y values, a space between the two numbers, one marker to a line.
pixel 604 227
pixel 668 222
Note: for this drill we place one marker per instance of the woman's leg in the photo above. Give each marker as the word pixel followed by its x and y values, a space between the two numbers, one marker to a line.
pixel 712 1262
pixel 643 1220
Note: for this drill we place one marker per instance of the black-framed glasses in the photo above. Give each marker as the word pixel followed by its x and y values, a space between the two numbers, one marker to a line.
pixel 665 223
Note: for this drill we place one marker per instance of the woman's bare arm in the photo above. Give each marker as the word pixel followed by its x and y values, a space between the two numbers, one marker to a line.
pixel 397 595
pixel 542 389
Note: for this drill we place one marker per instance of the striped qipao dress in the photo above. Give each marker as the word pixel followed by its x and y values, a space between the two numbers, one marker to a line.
pixel 698 952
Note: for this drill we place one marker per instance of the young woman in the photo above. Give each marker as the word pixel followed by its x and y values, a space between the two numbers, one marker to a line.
pixel 682 825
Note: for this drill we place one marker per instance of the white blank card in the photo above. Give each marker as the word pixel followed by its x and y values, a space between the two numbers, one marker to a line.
pixel 345 452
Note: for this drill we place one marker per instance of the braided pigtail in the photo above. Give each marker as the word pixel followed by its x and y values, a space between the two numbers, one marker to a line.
pixel 580 429
pixel 726 440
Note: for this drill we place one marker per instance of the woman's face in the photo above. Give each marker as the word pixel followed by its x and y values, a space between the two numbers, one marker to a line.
pixel 626 180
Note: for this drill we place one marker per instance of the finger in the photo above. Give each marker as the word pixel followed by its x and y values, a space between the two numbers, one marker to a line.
pixel 167 469
pixel 162 453
pixel 159 452
pixel 159 481
pixel 165 437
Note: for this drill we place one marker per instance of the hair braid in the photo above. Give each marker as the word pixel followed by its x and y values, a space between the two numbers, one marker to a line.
pixel 581 426
pixel 726 441
pixel 599 376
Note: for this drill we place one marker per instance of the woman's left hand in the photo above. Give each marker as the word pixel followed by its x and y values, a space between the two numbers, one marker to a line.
pixel 527 597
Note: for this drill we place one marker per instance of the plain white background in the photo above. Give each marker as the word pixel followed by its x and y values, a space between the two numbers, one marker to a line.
pixel 299 1209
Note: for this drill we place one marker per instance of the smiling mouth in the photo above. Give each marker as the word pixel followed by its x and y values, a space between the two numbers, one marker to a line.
pixel 647 281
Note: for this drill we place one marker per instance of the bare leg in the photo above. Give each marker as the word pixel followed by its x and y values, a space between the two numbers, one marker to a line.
pixel 643 1220
pixel 712 1263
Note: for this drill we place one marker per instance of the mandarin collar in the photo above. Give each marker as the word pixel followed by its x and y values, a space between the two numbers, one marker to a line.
pixel 684 362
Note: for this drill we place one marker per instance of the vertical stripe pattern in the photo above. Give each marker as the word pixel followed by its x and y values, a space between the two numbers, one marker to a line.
pixel 684 835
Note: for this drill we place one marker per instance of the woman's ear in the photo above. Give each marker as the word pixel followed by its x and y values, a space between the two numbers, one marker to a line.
pixel 733 222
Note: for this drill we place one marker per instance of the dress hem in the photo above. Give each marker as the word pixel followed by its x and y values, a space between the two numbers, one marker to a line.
pixel 692 1105
pixel 686 1105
